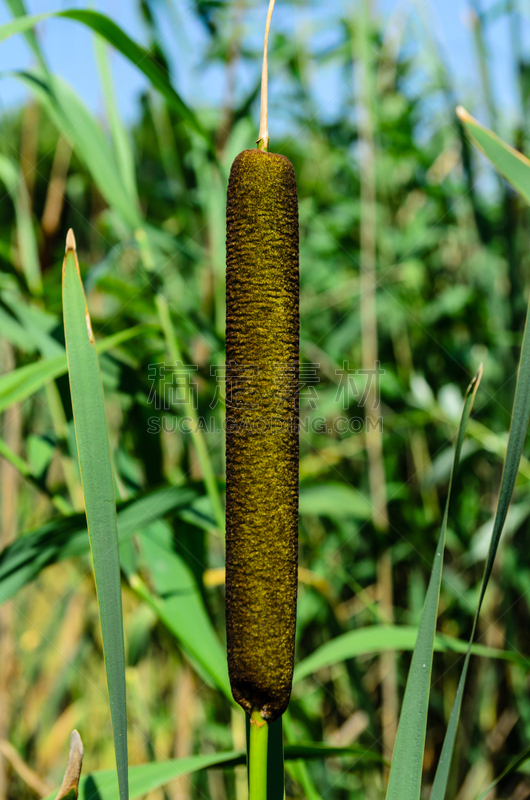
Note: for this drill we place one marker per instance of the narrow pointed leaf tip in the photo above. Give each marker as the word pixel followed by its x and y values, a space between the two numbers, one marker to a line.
pixel 512 165
pixel 70 785
pixel 462 114
pixel 70 242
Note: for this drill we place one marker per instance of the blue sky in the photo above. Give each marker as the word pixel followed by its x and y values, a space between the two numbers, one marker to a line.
pixel 69 48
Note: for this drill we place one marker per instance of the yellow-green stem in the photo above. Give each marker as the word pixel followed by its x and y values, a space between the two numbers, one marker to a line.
pixel 257 768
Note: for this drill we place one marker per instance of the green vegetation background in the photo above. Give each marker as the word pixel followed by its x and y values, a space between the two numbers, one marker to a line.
pixel 452 276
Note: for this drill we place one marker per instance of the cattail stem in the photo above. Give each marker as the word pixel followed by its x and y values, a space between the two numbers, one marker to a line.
pixel 257 772
pixel 263 136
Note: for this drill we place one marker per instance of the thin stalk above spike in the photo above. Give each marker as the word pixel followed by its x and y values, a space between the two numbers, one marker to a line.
pixel 263 136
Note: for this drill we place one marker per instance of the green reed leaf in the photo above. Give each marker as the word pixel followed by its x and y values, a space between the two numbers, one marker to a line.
pixel 11 177
pixel 145 778
pixel 138 56
pixel 513 766
pixel 407 759
pixel 29 554
pixel 514 166
pixel 148 777
pixel 74 121
pixel 120 137
pixel 510 163
pixel 21 25
pixel 179 605
pixel 25 381
pixel 98 489
pixel 381 638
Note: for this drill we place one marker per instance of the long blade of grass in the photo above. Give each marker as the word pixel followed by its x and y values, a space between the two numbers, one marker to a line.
pixel 120 137
pixel 25 381
pixel 30 553
pixel 512 767
pixel 379 638
pixel 516 439
pixel 515 444
pixel 516 169
pixel 407 759
pixel 98 489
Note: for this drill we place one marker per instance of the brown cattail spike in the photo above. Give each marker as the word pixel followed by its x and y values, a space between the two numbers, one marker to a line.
pixel 262 353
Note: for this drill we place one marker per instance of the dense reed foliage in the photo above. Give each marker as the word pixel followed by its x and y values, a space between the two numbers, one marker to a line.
pixel 438 242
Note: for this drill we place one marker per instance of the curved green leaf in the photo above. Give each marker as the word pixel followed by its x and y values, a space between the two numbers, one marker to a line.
pixel 138 56
pixel 132 51
pixel 21 25
pixel 381 638
pixel 334 500
pixel 23 560
pixel 145 778
pixel 18 9
pixel 179 604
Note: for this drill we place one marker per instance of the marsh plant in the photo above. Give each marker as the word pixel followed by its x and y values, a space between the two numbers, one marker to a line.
pixel 290 387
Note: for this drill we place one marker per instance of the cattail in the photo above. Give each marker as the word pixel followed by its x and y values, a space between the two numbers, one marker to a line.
pixel 262 354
